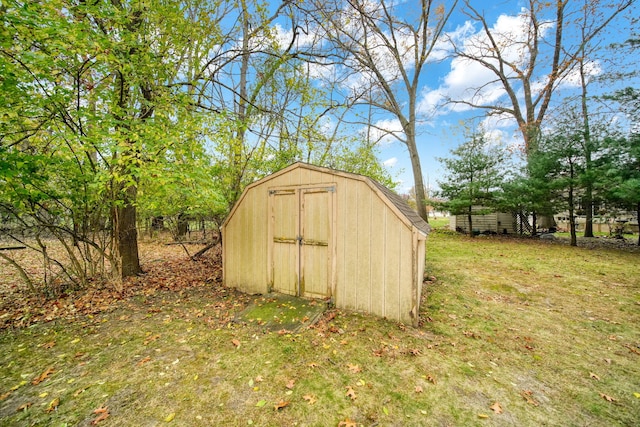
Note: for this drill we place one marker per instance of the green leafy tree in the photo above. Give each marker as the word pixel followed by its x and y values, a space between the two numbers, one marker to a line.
pixel 529 65
pixel 474 174
pixel 527 194
pixel 94 95
pixel 620 173
pixel 559 162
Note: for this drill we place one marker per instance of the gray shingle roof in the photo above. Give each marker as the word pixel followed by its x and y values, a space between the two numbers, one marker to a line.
pixel 403 207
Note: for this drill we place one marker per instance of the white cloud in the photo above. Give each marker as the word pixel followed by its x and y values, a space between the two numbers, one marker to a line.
pixel 385 59
pixel 501 129
pixel 385 131
pixel 389 163
pixel 472 82
pixel 285 35
pixel 591 69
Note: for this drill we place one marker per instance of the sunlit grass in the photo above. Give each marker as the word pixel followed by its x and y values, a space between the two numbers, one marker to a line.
pixel 548 332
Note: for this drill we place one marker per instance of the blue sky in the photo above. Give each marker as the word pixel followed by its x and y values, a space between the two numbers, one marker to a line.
pixel 450 77
pixel 442 128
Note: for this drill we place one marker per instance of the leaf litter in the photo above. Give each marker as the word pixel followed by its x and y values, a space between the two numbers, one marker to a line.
pixel 171 271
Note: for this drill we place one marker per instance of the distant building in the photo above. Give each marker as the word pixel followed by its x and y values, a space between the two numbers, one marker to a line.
pixel 490 223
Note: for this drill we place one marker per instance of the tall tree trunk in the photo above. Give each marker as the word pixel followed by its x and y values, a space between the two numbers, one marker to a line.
pixel 638 219
pixel 588 190
pixel 588 206
pixel 125 192
pixel 183 226
pixel 236 160
pixel 417 177
pixel 469 221
pixel 126 233
pixel 572 218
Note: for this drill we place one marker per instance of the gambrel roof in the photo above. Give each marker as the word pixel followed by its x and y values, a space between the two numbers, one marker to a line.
pixel 401 207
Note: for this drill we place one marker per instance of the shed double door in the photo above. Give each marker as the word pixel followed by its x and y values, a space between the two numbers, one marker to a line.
pixel 301 228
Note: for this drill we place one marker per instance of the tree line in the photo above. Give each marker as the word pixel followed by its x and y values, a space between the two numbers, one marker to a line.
pixel 585 159
pixel 114 112
pixel 555 179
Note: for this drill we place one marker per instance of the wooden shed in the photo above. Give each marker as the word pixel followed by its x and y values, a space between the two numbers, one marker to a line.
pixel 320 233
pixel 493 222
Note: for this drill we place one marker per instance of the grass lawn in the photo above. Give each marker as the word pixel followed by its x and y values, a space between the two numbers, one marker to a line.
pixel 515 332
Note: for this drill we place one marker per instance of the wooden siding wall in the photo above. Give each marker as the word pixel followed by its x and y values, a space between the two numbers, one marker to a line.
pixel 375 266
pixel 378 260
pixel 245 246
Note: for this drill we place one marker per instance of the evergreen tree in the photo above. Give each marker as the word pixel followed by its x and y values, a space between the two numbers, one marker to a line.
pixel 473 178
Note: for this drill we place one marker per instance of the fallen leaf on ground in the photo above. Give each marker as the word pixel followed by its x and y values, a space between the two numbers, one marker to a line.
pixel 170 417
pixel 259 379
pixel 431 379
pixel 261 403
pixel 80 391
pixel 347 423
pixel 99 418
pixel 354 368
pixel 143 361
pixel 290 384
pixel 594 376
pixel 281 404
pixel 15 387
pixel 496 408
pixel 49 344
pixel 351 393
pixel 483 416
pixel 528 396
pixel 43 376
pixel 53 405
pixel 4 396
pixel 102 414
pixel 608 398
pixel 310 399
pixel 151 339
pixel 419 389
pixel 24 406
pixel 235 342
